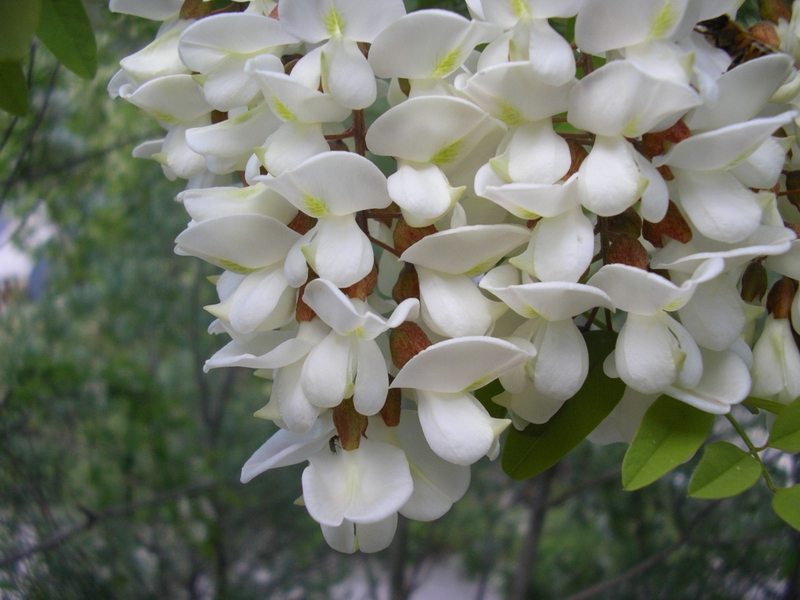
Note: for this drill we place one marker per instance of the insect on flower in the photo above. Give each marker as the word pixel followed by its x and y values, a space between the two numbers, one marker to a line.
pixel 728 35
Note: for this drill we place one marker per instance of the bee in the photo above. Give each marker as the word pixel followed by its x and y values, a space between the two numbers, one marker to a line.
pixel 734 39
pixel 332 443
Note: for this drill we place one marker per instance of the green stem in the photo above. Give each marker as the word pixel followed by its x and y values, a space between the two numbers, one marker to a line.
pixel 753 451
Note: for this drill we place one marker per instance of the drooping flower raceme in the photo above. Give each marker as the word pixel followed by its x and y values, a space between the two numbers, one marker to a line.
pixel 517 195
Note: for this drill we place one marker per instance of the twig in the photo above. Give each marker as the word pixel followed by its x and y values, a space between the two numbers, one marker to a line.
pixel 646 564
pixel 95 517
pixel 26 148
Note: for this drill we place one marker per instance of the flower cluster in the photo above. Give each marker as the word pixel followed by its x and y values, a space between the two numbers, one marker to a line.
pixel 536 183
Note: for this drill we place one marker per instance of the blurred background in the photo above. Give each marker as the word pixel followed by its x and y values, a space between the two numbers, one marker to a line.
pixel 120 458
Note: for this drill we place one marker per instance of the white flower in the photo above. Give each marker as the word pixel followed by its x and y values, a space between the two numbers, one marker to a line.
pixel 457 427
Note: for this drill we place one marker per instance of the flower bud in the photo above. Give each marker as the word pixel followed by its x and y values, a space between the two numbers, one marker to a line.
pixel 627 250
pixel 407 285
pixel 406 236
pixel 765 32
pixel 773 10
pixel 673 225
pixel 628 222
pixel 754 283
pixel 302 223
pixel 779 300
pixel 362 289
pixel 405 342
pixel 793 188
pixel 576 154
pixel 350 424
pixel 303 312
pixel 195 9
pixel 390 413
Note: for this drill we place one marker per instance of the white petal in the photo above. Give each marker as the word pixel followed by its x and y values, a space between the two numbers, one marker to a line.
pixel 743 92
pixel 457 427
pixel 649 102
pixel 725 381
pixel 723 148
pixel 562 362
pixel 562 247
pixel 333 183
pixel 285 448
pixel 327 371
pixel 422 192
pixel 346 74
pixel 372 378
pixel 551 56
pixel 437 483
pixel 609 180
pixel 471 249
pixel 341 252
pixel 292 144
pixel 364 485
pixel 442 41
pixel 452 305
pixel 459 364
pixel 718 205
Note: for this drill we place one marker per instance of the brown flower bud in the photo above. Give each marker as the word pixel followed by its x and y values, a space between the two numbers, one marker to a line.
pixel 302 223
pixel 754 283
pixel 406 236
pixel 779 300
pixel 577 154
pixel 765 32
pixel 407 285
pixel 194 9
pixel 303 311
pixel 363 288
pixel 628 222
pixel 793 188
pixel 673 225
pixel 350 424
pixel 627 250
pixel 773 10
pixel 405 342
pixel 390 413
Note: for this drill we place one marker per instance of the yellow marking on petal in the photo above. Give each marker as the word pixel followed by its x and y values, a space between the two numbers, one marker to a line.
pixel 315 207
pixel 664 21
pixel 529 312
pixel 162 116
pixel 509 114
pixel 447 154
pixel 359 331
pixel 480 268
pixel 229 265
pixel 334 23
pixel 281 111
pixel 448 63
pixel 631 127
pixel 521 8
pixel 479 383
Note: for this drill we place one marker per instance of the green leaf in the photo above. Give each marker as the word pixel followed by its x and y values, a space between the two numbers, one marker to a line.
pixel 785 434
pixel 485 395
pixel 768 405
pixel 669 434
pixel 538 447
pixel 67 32
pixel 724 470
pixel 786 505
pixel 13 89
pixel 18 22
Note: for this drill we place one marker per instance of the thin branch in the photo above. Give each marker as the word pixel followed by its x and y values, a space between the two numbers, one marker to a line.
pixel 93 518
pixel 48 171
pixel 607 477
pixel 646 564
pixel 26 148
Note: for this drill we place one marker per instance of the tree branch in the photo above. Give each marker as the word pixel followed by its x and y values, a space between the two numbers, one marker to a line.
pixel 646 564
pixel 93 518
